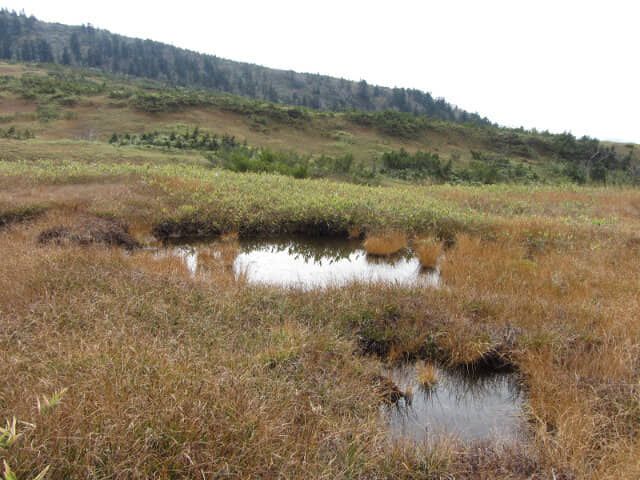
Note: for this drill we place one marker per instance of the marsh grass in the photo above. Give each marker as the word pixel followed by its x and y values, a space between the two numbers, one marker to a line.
pixel 427 375
pixel 385 244
pixel 173 374
pixel 428 251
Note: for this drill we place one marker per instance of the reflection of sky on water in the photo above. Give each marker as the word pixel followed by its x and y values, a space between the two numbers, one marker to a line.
pixel 311 262
pixel 469 407
pixel 190 256
pixel 290 265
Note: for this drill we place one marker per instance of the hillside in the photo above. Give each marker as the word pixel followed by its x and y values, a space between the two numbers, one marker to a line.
pixel 27 39
pixel 65 103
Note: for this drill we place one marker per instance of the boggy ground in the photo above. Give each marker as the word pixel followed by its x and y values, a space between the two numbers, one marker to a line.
pixel 169 376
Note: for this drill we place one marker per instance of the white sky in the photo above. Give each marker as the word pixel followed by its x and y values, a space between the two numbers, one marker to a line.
pixel 557 65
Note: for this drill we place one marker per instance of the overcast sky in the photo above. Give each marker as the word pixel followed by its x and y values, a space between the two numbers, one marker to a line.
pixel 560 65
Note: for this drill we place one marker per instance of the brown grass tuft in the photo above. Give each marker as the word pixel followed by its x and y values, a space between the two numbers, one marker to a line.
pixel 428 252
pixel 355 231
pixel 427 375
pixel 385 244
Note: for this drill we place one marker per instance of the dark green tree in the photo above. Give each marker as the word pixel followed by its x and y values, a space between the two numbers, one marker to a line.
pixel 75 47
pixel 66 57
pixel 45 53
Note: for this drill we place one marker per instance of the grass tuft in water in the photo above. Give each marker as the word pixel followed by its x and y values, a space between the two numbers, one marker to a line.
pixel 427 375
pixel 385 244
pixel 428 252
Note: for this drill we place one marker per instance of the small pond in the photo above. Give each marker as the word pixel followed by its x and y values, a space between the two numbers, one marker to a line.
pixel 467 406
pixel 310 262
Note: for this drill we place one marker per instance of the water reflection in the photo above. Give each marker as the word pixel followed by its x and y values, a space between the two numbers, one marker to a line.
pixel 314 263
pixel 304 262
pixel 464 405
pixel 310 249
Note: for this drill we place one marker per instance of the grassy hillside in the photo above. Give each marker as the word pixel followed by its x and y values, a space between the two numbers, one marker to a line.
pixel 374 147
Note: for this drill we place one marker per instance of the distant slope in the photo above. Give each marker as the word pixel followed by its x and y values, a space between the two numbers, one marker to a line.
pixel 54 102
pixel 27 39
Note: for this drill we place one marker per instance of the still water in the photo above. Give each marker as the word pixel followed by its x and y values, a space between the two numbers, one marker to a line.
pixel 309 263
pixel 467 406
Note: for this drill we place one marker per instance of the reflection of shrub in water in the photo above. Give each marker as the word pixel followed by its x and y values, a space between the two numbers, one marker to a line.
pixel 463 386
pixel 481 383
pixel 310 249
pixel 390 260
pixel 316 250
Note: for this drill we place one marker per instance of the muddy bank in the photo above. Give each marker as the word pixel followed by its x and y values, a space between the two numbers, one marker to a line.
pixel 87 230
pixel 20 214
pixel 174 229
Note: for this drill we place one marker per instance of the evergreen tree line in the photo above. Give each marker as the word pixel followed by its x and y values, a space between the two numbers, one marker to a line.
pixel 26 39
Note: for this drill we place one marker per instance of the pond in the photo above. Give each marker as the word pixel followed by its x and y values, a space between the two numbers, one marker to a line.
pixel 310 262
pixel 469 406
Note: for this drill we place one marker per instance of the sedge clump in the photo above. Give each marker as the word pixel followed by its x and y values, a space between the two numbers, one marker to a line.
pixel 428 252
pixel 385 244
pixel 355 231
pixel 427 375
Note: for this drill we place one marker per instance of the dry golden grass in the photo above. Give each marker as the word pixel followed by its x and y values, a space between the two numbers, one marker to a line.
pixel 160 364
pixel 166 375
pixel 428 251
pixel 578 307
pixel 174 374
pixel 385 244
pixel 427 375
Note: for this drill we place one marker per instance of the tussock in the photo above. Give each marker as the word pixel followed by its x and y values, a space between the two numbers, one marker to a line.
pixel 385 244
pixel 428 252
pixel 427 375
pixel 88 230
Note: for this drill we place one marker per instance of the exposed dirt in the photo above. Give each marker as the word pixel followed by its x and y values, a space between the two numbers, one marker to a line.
pixel 90 230
pixel 183 228
pixel 11 105
pixel 20 214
